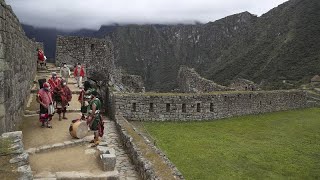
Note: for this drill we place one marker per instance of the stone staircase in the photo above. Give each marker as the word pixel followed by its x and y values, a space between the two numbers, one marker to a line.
pixel 113 161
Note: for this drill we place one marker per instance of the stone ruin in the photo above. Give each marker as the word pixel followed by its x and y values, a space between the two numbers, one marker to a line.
pixel 244 85
pixel 190 81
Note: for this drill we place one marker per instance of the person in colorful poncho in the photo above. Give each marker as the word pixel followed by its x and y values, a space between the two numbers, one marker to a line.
pixel 44 97
pixel 62 97
pixel 94 118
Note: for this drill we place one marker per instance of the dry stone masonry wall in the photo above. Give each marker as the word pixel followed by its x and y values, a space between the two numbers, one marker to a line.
pixel 17 68
pixel 96 54
pixel 161 107
pixel 190 81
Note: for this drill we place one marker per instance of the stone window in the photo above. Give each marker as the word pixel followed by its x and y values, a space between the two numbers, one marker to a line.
pixel 198 107
pixel 151 108
pixel 92 47
pixel 184 108
pixel 211 107
pixel 260 103
pixel 134 107
pixel 270 102
pixel 168 107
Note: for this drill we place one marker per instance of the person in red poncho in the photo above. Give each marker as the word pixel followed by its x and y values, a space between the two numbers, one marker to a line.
pixel 54 81
pixel 41 58
pixel 62 96
pixel 44 97
pixel 79 74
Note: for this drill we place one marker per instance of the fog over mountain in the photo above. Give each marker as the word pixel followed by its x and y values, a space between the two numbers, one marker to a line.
pixel 79 14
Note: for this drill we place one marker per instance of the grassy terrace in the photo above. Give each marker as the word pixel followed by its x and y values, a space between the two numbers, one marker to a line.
pixel 278 145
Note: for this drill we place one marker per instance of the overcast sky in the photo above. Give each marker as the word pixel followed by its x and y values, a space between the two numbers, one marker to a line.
pixel 75 14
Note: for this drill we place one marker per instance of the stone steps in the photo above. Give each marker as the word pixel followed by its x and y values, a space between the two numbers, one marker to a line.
pixel 110 175
pixel 34 91
pixel 28 113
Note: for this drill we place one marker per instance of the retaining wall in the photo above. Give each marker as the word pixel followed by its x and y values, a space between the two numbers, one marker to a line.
pixel 161 107
pixel 17 68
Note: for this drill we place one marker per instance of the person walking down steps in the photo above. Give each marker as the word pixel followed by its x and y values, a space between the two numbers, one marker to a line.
pixel 79 74
pixel 65 72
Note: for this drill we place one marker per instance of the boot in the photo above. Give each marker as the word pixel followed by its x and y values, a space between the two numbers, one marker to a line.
pixel 95 142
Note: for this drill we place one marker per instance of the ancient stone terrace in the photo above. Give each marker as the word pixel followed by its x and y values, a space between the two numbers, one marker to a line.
pixel 206 106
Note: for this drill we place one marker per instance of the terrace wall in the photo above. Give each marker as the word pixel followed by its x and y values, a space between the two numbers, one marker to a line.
pixel 162 107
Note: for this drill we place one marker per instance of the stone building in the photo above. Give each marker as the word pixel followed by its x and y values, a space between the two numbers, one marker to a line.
pixel 18 62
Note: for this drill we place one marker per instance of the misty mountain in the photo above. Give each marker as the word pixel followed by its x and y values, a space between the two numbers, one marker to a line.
pixel 280 45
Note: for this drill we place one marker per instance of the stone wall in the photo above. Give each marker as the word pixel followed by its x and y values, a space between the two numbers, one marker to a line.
pixel 140 159
pixel 95 54
pixel 17 68
pixel 133 83
pixel 243 85
pixel 161 107
pixel 190 81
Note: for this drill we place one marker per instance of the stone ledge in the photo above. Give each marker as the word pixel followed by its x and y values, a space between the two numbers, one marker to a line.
pixel 21 157
pixel 143 165
pixel 74 175
pixel 65 144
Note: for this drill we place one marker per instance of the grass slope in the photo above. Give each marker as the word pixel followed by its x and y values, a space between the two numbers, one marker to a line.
pixel 271 146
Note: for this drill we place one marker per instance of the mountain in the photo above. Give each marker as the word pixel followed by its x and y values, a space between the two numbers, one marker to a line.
pixel 280 45
pixel 156 53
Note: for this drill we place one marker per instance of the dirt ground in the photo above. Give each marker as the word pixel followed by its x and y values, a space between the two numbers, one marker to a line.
pixel 68 159
pixel 34 135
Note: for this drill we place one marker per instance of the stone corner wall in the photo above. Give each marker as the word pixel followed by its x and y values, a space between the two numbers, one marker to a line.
pixel 190 81
pixel 17 68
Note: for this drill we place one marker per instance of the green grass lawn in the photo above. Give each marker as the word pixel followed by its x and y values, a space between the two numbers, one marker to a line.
pixel 282 145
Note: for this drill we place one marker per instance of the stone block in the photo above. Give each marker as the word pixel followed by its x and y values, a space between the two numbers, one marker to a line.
pixel 44 148
pixel 108 161
pixel 13 135
pixel 26 172
pixel 31 151
pixel 58 145
pixel 68 143
pixel 21 159
pixel 103 150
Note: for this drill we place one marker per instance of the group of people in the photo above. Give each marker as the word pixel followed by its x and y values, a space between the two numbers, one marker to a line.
pixel 54 96
pixel 78 73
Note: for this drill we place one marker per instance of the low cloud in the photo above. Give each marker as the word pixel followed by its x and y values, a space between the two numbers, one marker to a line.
pixel 76 14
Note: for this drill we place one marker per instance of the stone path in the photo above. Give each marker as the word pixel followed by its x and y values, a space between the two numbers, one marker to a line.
pixel 123 164
pixel 60 133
